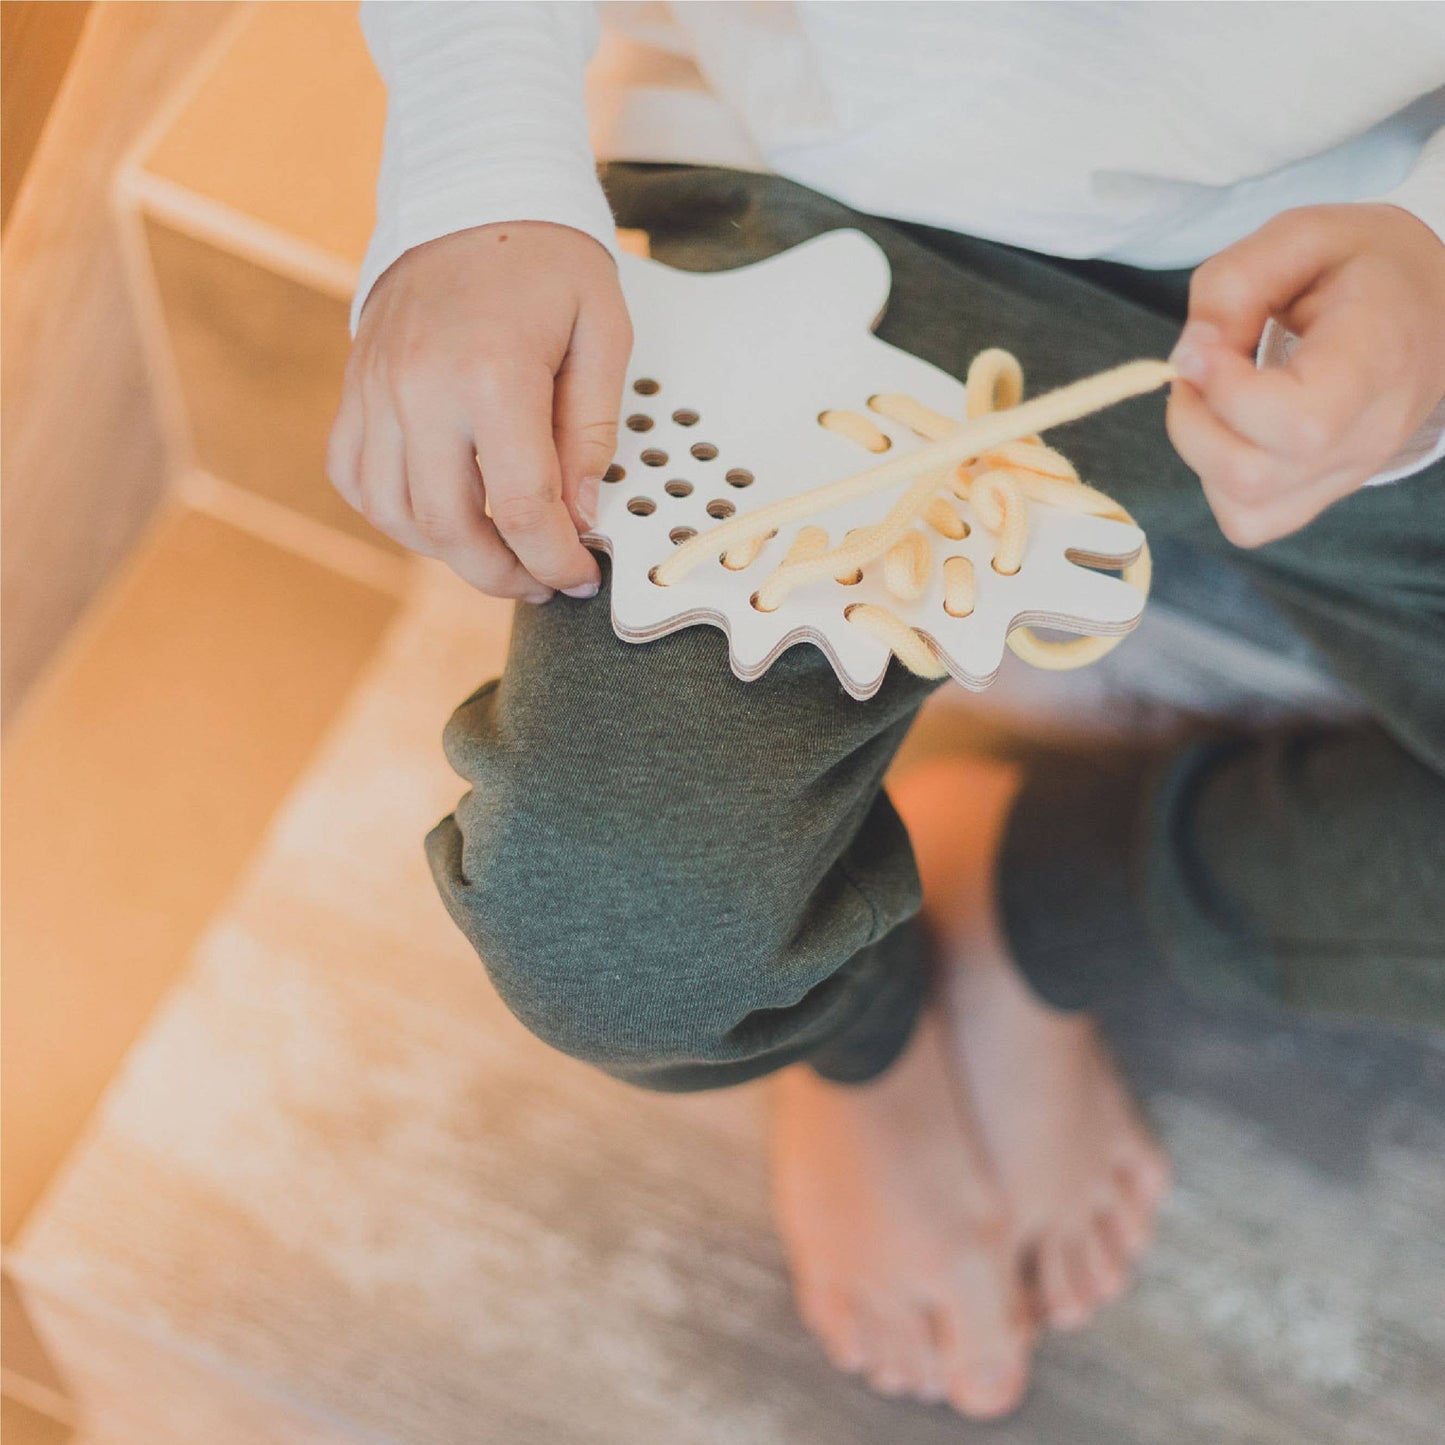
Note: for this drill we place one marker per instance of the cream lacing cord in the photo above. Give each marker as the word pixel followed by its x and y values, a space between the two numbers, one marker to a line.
pixel 994 459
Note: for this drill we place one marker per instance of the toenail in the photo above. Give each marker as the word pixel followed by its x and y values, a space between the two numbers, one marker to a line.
pixel 996 1384
pixel 987 1402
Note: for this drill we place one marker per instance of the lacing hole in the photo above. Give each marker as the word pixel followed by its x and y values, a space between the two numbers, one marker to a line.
pixel 850 609
pixel 703 451
pixel 828 426
pixel 679 535
pixel 614 473
pixel 993 562
pixel 678 488
pixel 852 580
pixel 638 422
pixel 685 416
pixel 652 457
pixel 720 509
pixel 642 506
pixel 740 477
pixel 652 577
pixel 646 386
pixel 754 604
pixel 952 613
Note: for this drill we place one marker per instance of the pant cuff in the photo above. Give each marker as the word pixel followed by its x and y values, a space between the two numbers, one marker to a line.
pixel 897 982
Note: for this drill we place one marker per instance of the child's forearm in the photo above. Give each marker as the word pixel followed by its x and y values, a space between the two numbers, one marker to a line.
pixel 485 122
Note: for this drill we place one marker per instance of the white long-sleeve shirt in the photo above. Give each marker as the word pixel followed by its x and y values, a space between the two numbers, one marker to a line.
pixel 1152 134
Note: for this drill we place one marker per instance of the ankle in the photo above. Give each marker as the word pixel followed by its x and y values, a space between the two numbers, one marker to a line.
pixel 956 810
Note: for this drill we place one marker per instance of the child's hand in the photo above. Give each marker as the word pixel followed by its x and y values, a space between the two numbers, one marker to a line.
pixel 1363 286
pixel 505 345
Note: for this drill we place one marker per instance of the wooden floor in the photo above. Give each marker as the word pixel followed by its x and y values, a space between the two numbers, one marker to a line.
pixel 338 1195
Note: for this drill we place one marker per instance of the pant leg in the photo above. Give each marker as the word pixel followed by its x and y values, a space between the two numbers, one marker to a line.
pixel 1304 863
pixel 689 880
pixel 682 878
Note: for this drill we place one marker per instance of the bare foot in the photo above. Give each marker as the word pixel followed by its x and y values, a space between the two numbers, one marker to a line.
pixel 1082 1176
pixel 896 1237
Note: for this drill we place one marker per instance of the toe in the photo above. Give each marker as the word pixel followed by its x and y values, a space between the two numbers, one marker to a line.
pixel 931 1376
pixel 1063 1306
pixel 985 1375
pixel 1132 1218
pixel 901 1346
pixel 1079 1266
pixel 1147 1174
pixel 1104 1259
pixel 882 1365
pixel 985 1334
pixel 989 1389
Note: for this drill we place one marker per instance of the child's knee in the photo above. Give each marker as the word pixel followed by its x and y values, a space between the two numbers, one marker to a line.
pixel 604 949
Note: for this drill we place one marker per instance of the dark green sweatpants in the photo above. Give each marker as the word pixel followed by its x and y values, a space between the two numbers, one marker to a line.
pixel 691 881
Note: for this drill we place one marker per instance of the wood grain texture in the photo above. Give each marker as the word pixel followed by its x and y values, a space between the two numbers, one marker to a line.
pixel 287 128
pixel 24 1355
pixel 259 359
pixel 337 1164
pixel 136 1390
pixel 22 1425
pixel 83 457
pixel 136 784
pixel 37 41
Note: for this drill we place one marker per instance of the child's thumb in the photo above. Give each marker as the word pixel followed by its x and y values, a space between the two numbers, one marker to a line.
pixel 586 410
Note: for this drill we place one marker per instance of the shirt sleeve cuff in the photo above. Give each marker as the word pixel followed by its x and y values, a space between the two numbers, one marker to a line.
pixel 583 209
pixel 1422 192
pixel 485 122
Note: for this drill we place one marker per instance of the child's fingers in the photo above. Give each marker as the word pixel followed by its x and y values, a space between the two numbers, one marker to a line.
pixel 1309 409
pixel 1220 455
pixel 343 447
pixel 512 428
pixel 450 515
pixel 1238 290
pixel 1256 496
pixel 384 500
pixel 1241 480
pixel 586 405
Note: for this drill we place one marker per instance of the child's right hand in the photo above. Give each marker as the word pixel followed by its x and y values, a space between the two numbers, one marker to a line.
pixel 505 346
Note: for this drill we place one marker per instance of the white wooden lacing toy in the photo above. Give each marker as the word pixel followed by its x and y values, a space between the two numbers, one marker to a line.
pixel 765 386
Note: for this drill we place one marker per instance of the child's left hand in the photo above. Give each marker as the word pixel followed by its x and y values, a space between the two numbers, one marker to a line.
pixel 1363 286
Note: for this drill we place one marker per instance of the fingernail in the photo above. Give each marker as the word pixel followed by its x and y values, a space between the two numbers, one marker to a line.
pixel 587 501
pixel 1189 357
pixel 583 592
pixel 537 598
